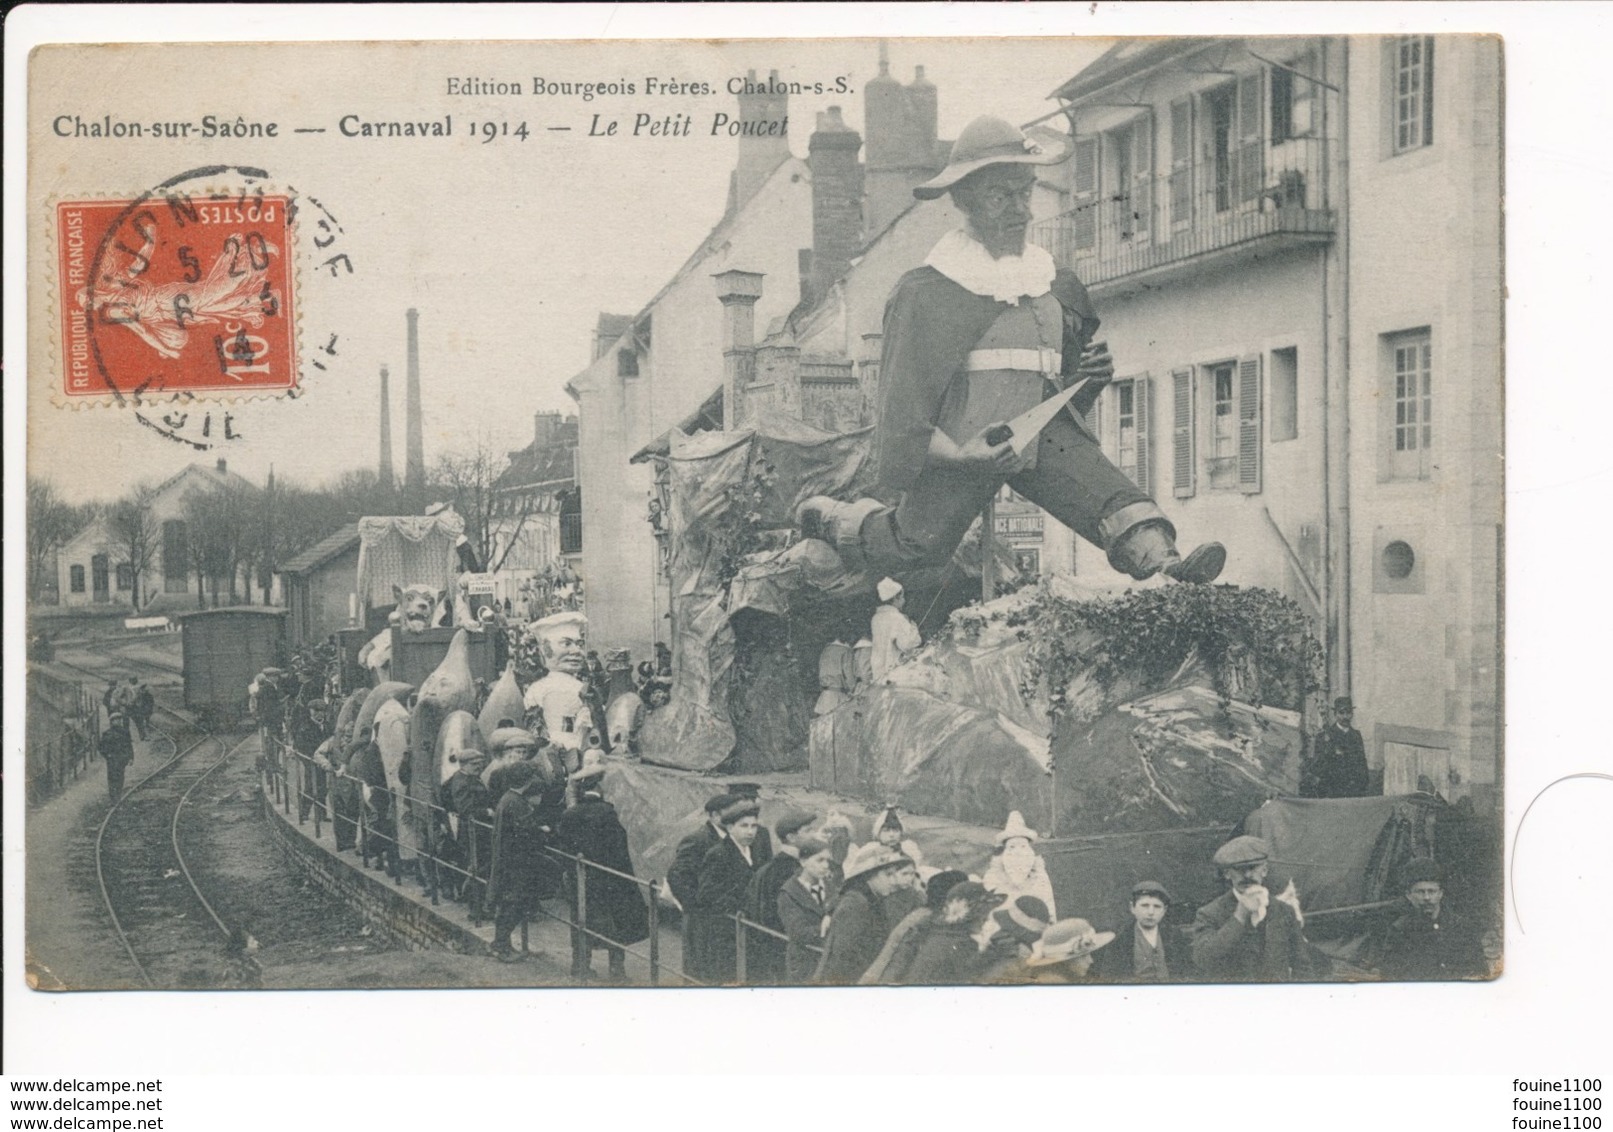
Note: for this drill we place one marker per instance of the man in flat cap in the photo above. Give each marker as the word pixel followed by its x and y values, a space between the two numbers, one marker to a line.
pixel 1338 764
pixel 724 883
pixel 1148 950
pixel 1430 941
pixel 1246 934
pixel 765 956
pixel 981 333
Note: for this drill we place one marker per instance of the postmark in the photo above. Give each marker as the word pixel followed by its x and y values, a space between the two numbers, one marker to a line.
pixel 185 291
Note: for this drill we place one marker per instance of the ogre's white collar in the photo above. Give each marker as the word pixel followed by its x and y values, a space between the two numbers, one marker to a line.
pixel 965 260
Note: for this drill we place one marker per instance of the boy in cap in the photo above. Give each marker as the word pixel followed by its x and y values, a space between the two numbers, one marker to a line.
pixel 467 797
pixel 1337 767
pixel 724 883
pixel 1430 941
pixel 803 908
pixel 1245 935
pixel 516 877
pixel 683 877
pixel 765 955
pixel 1148 950
pixel 972 339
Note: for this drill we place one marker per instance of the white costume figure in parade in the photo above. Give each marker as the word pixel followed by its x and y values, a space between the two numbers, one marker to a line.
pixel 894 635
pixel 1017 870
pixel 562 639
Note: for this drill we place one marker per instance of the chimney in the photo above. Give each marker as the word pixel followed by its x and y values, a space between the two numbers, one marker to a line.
pixel 545 430
pixel 764 140
pixel 386 476
pixel 414 447
pixel 901 125
pixel 837 199
pixel 223 465
pixel 738 292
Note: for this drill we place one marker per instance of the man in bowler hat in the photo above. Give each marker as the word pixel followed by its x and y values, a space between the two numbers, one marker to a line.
pixel 1338 763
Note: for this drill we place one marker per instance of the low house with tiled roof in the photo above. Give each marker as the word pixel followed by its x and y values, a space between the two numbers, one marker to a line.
pixel 320 586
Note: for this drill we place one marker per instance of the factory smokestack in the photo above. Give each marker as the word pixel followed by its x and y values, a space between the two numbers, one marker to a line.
pixel 414 452
pixel 388 480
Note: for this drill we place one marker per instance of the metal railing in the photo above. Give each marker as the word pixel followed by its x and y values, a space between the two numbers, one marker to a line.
pixel 743 928
pixel 63 725
pixel 298 778
pixel 1249 192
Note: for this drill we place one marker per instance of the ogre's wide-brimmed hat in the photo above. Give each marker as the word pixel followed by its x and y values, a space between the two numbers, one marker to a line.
pixel 1067 939
pixel 989 141
pixel 1240 851
pixel 872 857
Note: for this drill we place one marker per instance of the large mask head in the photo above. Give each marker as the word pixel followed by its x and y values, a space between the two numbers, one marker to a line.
pixel 563 642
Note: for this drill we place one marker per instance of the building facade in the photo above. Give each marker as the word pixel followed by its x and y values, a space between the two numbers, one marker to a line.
pixel 1294 246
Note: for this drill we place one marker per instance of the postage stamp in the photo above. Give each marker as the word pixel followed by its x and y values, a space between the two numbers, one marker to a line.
pixel 179 291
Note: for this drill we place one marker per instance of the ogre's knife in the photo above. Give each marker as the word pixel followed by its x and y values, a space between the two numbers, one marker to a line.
pixel 1026 427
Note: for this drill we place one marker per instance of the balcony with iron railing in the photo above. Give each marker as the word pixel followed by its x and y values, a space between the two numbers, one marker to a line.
pixel 1251 199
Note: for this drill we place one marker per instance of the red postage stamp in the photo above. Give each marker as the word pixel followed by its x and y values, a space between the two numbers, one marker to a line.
pixel 176 294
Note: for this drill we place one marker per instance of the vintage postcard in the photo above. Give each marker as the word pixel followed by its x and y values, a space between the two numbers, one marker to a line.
pixel 856 512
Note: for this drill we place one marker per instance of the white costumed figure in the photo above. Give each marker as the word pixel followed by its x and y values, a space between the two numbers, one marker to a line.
pixel 1016 870
pixel 562 640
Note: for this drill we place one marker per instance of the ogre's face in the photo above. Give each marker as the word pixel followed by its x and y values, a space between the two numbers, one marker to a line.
pixel 564 648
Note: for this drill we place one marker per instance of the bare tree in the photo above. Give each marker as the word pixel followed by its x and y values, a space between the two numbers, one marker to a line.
pixel 133 538
pixel 221 526
pixel 51 522
pixel 493 520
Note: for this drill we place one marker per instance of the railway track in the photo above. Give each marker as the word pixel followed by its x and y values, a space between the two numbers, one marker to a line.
pixel 168 927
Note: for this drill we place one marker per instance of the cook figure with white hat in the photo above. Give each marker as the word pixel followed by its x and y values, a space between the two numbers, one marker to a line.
pixel 562 638
pixel 979 334
pixel 894 635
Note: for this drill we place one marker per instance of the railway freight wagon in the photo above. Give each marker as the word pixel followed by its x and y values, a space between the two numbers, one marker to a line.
pixel 223 650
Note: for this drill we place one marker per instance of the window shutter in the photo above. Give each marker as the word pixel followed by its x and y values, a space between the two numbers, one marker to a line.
pixel 1250 162
pixel 1182 161
pixel 1182 433
pixel 1084 222
pixel 1094 419
pixel 1428 90
pixel 1249 424
pixel 1142 174
pixel 1143 406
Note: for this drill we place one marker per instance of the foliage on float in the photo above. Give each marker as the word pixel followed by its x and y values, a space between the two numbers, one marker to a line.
pixel 1253 644
pixel 737 529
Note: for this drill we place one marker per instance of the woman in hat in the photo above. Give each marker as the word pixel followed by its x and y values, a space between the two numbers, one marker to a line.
pixel 615 907
pixel 1016 870
pixel 1062 956
pixel 890 967
pixel 803 908
pixel 1015 927
pixel 871 903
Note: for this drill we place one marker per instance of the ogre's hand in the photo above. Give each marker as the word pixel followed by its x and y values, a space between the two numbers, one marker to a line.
pixel 980 454
pixel 1097 365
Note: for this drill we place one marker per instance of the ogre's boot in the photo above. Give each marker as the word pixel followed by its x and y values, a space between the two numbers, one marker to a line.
pixel 840 525
pixel 1150 548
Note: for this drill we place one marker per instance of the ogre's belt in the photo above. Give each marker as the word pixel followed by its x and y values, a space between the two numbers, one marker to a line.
pixel 1044 361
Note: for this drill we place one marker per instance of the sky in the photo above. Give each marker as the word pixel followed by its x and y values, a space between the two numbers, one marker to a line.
pixel 509 249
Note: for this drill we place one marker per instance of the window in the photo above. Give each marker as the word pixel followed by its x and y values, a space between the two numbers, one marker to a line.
pixel 1411 388
pixel 1292 97
pixel 75 579
pixel 1130 167
pixel 1181 183
pixel 1183 469
pixel 1223 427
pixel 1130 444
pixel 1411 99
pixel 125 576
pixel 626 363
pixel 1285 394
pixel 1084 193
pixel 100 577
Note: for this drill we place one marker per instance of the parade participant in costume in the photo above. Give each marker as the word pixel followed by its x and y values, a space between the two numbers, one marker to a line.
pixel 894 635
pixel 468 798
pixel 516 876
pixel 978 335
pixel 1063 956
pixel 1337 767
pixel 803 908
pixel 724 883
pixel 1016 870
pixel 948 954
pixel 117 750
pixel 561 637
pixel 614 905
pixel 1430 941
pixel 764 954
pixel 1245 934
pixel 865 913
pixel 1148 950
pixel 891 965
